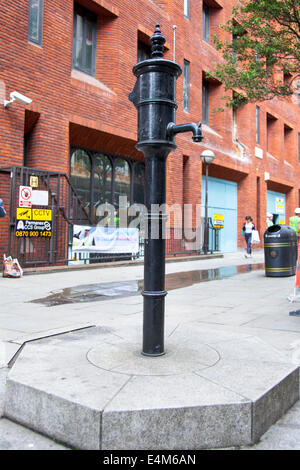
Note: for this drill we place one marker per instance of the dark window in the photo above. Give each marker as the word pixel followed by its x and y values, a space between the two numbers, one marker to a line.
pixel 272 131
pixel 205 23
pixel 35 21
pixel 257 125
pixel 205 102
pixel 81 174
pixel 84 40
pixel 186 86
pixel 144 52
pixel 186 8
pixel 102 172
pixel 122 181
pixel 100 178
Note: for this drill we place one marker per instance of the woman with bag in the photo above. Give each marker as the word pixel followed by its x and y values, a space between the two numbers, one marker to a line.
pixel 2 210
pixel 247 230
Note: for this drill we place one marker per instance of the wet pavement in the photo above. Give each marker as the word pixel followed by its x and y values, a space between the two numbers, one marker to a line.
pixel 241 301
pixel 104 291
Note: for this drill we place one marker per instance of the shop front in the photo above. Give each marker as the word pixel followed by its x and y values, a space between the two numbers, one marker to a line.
pixel 222 211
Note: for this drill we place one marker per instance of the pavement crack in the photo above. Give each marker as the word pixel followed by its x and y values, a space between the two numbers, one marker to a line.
pixel 173 331
pixel 117 393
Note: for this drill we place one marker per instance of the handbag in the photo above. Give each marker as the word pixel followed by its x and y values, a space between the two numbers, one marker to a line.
pixel 255 237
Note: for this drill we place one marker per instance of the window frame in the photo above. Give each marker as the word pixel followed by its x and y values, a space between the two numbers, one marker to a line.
pixel 113 158
pixel 186 9
pixel 205 102
pixel 40 18
pixel 186 85
pixel 257 118
pixel 144 51
pixel 206 22
pixel 92 18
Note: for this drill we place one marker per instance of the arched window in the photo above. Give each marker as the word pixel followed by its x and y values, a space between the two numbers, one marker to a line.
pixel 121 181
pixel 102 180
pixel 81 174
pixel 99 179
pixel 138 183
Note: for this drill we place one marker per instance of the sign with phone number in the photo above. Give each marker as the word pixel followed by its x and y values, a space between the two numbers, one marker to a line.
pixel 34 228
pixel 32 233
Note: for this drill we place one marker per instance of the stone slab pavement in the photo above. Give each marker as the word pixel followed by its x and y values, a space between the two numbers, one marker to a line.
pixel 233 294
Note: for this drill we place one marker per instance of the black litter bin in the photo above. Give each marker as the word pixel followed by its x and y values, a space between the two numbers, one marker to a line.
pixel 280 245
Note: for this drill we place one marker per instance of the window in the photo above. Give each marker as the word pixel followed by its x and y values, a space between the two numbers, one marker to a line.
pixel 205 102
pixel 81 174
pixel 144 52
pixel 257 125
pixel 35 21
pixel 186 8
pixel 100 178
pixel 272 134
pixel 289 145
pixel 234 124
pixel 122 180
pixel 84 40
pixel 186 86
pixel 205 22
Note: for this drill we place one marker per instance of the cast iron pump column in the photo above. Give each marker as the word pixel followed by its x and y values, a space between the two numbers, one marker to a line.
pixel 154 96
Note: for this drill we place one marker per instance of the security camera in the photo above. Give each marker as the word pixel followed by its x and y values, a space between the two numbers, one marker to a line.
pixel 17 96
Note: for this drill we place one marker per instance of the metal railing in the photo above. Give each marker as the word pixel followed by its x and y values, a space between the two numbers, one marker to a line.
pixel 189 241
pixel 68 210
pixel 66 207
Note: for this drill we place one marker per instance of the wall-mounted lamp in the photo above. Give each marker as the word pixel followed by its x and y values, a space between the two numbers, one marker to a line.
pixel 17 96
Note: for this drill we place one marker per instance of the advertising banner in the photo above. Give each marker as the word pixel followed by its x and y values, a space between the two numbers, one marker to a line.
pixel 105 239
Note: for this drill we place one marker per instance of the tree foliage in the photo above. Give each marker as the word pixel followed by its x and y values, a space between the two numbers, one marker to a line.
pixel 262 57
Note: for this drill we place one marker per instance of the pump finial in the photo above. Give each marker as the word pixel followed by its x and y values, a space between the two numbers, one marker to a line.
pixel 158 41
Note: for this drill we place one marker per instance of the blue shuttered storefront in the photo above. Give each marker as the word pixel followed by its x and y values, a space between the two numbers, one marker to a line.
pixel 222 201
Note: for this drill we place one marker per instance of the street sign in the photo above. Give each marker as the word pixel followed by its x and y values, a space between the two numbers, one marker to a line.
pixel 34 228
pixel 218 221
pixel 23 213
pixel 34 181
pixel 40 198
pixel 41 214
pixel 25 195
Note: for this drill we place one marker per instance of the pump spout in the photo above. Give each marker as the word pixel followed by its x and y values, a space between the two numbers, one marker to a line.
pixel 173 129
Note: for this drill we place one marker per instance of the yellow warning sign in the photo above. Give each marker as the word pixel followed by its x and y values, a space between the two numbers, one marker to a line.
pixel 218 220
pixel 41 214
pixel 23 213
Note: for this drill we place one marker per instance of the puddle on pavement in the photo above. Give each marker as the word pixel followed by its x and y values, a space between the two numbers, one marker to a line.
pixel 109 290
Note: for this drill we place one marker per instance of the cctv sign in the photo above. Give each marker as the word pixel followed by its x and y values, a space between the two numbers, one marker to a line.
pixel 25 195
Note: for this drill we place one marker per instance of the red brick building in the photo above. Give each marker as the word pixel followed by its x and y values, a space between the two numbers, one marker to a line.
pixel 74 60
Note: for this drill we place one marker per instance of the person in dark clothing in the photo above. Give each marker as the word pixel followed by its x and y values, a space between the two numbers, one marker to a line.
pixel 248 227
pixel 2 210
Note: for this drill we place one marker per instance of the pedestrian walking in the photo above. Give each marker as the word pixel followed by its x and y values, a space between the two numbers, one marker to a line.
pixel 269 219
pixel 2 210
pixel 247 230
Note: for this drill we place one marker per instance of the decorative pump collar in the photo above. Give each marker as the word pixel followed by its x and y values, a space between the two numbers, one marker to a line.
pixel 158 41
